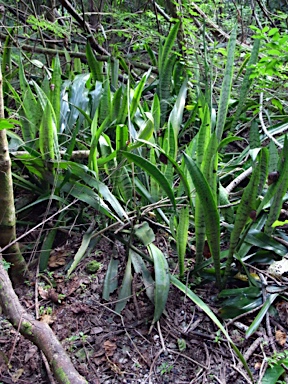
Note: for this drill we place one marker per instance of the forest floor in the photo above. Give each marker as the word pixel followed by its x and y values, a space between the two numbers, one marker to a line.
pixel 105 347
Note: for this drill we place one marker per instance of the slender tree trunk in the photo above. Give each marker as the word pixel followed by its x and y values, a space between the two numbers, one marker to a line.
pixel 7 210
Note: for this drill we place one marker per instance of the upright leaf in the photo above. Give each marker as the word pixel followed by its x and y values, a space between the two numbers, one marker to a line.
pixel 94 65
pixel 162 281
pixel 55 90
pixel 211 214
pixel 226 86
pixel 244 210
pixel 182 238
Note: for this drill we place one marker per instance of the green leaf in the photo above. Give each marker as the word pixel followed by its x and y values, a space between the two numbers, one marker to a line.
pixel 8 123
pixel 144 233
pixel 272 374
pixel 258 319
pixel 111 279
pixel 246 206
pixel 140 267
pixel 47 131
pixel 46 249
pixel 30 106
pixel 168 45
pixel 282 186
pixel 125 291
pixel 153 171
pixel 117 106
pixel 145 134
pixel 81 251
pixel 203 135
pixel 182 238
pixel 259 239
pixel 144 193
pixel 156 112
pixel 228 140
pixel 211 214
pixel 94 65
pixel 176 115
pixel 246 83
pixel 55 90
pixel 226 86
pixel 136 95
pixel 105 110
pixel 89 177
pixel 162 281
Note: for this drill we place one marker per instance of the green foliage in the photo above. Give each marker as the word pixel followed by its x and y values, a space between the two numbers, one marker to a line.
pixel 273 63
pixel 39 23
pixel 162 153
pixel 277 367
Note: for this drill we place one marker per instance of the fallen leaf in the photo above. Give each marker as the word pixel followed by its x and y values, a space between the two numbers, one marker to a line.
pixel 109 347
pixel 280 337
pixel 58 257
pixel 43 293
pixel 56 261
pixel 48 319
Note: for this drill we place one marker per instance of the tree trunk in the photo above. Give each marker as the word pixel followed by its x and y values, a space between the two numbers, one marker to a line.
pixel 7 210
pixel 38 332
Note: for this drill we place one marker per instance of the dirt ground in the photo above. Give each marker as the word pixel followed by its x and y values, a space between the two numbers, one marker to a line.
pixel 105 347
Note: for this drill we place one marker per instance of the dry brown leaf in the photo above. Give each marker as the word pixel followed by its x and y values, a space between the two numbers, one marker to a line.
pixel 56 261
pixel 109 347
pixel 280 337
pixel 48 319
pixel 58 257
pixel 43 293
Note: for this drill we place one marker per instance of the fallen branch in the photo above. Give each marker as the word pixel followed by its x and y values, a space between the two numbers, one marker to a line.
pixel 80 55
pixel 38 332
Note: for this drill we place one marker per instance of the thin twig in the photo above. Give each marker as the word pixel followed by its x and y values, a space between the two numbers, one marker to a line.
pixel 38 225
pixel 161 337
